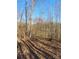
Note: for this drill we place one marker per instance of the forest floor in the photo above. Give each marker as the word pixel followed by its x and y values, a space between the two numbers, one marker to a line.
pixel 36 46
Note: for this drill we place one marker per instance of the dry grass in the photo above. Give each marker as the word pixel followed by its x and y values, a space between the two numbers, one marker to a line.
pixel 38 46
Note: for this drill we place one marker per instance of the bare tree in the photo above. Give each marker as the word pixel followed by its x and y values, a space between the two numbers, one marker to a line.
pixel 26 11
pixel 28 14
pixel 30 17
